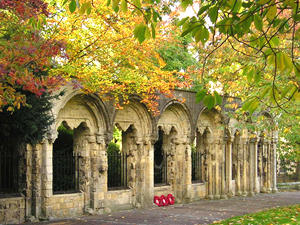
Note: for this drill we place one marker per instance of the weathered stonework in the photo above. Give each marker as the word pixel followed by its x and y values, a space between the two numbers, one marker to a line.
pixel 234 162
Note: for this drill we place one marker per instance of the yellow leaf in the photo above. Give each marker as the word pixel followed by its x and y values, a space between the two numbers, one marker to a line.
pixel 271 12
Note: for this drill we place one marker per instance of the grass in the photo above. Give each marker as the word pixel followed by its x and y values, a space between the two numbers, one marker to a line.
pixel 284 215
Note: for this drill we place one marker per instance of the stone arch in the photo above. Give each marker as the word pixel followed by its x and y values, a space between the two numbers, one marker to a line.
pixel 135 114
pixel 177 116
pixel 77 108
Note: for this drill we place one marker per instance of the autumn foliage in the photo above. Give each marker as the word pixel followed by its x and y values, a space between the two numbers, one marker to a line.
pixel 25 55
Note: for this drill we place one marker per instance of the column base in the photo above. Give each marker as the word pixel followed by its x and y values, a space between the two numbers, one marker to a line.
pixel 211 197
pixel 224 197
pixel 251 194
pixel 245 193
pixel 274 190
pixel 238 193
pixel 217 197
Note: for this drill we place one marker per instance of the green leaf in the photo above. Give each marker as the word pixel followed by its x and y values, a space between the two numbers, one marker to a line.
pixel 265 91
pixel 258 22
pixel 181 22
pixel 200 95
pixel 236 6
pixel 250 75
pixel 115 5
pixel 257 76
pixel 137 3
pixel 275 41
pixel 253 106
pixel 262 2
pixel 280 61
pixel 139 32
pixel 247 104
pixel 203 9
pixel 287 62
pixel 271 12
pixel 218 98
pixel 72 6
pixel 153 30
pixel 186 3
pixel 108 2
pixel 213 14
pixel 209 101
pixel 190 29
pixel 124 6
pixel 205 35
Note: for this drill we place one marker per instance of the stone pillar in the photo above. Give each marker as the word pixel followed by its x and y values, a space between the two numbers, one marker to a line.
pixel 187 174
pixel 98 169
pixel 264 175
pixel 37 181
pixel 81 148
pixel 245 149
pixel 274 166
pixel 210 167
pixel 269 160
pixel 47 175
pixel 253 166
pixel 28 196
pixel 228 144
pixel 178 185
pixel 223 168
pixel 148 174
pixel 239 162
pixel 218 165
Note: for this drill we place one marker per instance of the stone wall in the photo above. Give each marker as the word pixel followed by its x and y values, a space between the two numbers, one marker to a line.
pixel 198 191
pixel 118 200
pixel 12 210
pixel 65 205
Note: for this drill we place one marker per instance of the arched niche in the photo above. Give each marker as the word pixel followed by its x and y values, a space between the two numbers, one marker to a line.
pixel 136 115
pixel 175 116
pixel 82 109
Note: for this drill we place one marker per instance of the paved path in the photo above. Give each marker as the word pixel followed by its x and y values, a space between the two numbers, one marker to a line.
pixel 201 212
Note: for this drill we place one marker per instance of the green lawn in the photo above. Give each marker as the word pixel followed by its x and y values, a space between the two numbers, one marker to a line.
pixel 284 215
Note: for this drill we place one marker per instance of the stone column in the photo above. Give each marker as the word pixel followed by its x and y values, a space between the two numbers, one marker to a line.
pixel 228 144
pixel 210 166
pixel 253 166
pixel 223 168
pixel 218 164
pixel 37 181
pixel 148 174
pixel 47 175
pixel 239 162
pixel 28 195
pixel 187 174
pixel 180 145
pixel 264 175
pixel 81 148
pixel 245 177
pixel 274 166
pixel 269 172
pixel 98 168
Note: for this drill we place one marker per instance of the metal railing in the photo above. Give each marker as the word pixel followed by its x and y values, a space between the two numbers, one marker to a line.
pixel 117 170
pixel 161 170
pixel 65 172
pixel 196 167
pixel 9 171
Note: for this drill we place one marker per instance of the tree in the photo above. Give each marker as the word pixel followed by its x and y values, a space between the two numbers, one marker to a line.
pixel 25 56
pixel 105 58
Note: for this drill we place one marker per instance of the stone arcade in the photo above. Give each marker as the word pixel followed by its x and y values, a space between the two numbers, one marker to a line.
pixel 232 161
